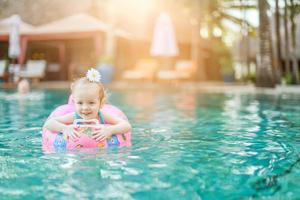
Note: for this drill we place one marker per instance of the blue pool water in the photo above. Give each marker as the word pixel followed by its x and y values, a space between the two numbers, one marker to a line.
pixel 186 145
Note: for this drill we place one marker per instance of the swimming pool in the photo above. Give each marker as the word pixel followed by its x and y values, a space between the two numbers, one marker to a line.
pixel 186 145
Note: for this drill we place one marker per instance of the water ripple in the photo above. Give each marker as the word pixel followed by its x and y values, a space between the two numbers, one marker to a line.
pixel 186 145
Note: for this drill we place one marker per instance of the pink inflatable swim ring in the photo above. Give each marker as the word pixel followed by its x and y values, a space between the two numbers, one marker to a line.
pixel 55 141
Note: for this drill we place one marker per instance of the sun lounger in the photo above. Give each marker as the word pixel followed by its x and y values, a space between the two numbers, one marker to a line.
pixel 144 70
pixel 184 70
pixel 35 69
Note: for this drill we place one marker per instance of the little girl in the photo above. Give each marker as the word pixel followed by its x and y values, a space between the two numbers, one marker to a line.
pixel 89 96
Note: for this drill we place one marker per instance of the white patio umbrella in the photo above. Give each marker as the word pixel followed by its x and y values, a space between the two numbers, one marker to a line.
pixel 13 23
pixel 14 49
pixel 163 41
pixel 14 37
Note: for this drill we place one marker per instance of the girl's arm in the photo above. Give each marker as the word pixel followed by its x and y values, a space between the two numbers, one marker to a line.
pixel 119 125
pixel 59 124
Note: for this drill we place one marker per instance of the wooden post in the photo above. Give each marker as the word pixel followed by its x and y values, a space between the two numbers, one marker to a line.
pixel 98 45
pixel 22 56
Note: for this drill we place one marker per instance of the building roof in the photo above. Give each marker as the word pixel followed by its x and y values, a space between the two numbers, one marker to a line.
pixel 6 23
pixel 78 23
pixel 72 24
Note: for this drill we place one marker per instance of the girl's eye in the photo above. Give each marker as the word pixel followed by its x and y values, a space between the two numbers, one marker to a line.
pixel 91 102
pixel 79 102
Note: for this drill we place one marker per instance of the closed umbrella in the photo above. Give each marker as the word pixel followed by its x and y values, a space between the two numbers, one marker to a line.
pixel 14 50
pixel 164 41
pixel 164 44
pixel 14 37
pixel 12 25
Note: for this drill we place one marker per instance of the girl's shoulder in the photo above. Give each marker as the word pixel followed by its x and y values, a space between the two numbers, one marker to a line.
pixel 110 118
pixel 104 114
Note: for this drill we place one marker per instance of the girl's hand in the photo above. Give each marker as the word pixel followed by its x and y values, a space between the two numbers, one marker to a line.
pixel 70 132
pixel 102 133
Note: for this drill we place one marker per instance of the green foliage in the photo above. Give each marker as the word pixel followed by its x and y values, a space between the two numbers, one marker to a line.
pixel 287 79
pixel 224 56
pixel 252 32
pixel 251 77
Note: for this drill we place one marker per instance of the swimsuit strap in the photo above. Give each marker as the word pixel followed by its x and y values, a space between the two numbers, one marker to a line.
pixel 102 121
pixel 76 116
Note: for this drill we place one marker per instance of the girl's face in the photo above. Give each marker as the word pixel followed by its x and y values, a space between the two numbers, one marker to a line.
pixel 87 100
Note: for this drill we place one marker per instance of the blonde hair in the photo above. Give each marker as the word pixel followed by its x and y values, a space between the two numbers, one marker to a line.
pixel 85 81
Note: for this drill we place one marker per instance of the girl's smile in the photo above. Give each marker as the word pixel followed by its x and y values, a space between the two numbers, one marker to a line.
pixel 87 101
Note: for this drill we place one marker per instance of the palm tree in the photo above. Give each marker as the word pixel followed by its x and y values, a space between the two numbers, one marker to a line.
pixel 265 74
pixel 293 34
pixel 213 14
pixel 278 41
pixel 286 39
pixel 246 29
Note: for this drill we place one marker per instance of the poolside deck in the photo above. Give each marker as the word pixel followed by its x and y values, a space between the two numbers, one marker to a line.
pixel 214 87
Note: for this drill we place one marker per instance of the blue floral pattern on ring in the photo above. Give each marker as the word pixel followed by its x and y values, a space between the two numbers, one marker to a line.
pixel 113 141
pixel 60 143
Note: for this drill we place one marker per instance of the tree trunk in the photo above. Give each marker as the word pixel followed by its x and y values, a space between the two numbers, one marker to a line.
pixel 264 72
pixel 295 74
pixel 278 42
pixel 245 36
pixel 286 38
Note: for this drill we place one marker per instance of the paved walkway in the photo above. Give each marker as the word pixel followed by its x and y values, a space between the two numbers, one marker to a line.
pixel 214 87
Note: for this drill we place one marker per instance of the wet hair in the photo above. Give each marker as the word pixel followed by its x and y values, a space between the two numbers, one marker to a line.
pixel 85 81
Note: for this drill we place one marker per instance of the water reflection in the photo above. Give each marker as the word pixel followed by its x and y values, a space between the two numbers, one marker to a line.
pixel 143 102
pixel 251 138
pixel 186 103
pixel 14 108
pixel 185 145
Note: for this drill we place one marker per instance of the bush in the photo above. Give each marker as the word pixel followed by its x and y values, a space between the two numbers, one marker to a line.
pixel 287 79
